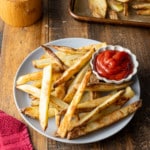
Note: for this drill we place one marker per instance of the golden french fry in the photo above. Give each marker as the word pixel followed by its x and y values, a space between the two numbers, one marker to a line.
pixel 59 102
pixel 102 106
pixel 127 95
pixel 115 5
pixel 145 12
pixel 37 83
pixel 51 53
pixel 45 96
pixel 105 87
pixel 141 6
pixel 74 68
pixel 69 59
pixel 59 91
pixel 65 123
pixel 33 112
pixel 125 9
pixel 105 121
pixel 113 14
pixel 72 88
pixel 30 89
pixel 57 118
pixel 123 1
pixel 41 63
pixel 66 49
pixel 29 77
pixel 91 46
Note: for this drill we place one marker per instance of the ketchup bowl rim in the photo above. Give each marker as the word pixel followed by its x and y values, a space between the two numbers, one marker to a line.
pixel 117 48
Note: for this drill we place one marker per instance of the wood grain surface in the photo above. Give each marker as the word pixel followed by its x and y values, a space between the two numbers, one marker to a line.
pixel 56 23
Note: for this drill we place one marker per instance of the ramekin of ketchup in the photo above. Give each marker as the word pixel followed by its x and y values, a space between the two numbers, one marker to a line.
pixel 114 64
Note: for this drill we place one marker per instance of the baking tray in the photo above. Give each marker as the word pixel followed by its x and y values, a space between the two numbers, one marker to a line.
pixel 79 10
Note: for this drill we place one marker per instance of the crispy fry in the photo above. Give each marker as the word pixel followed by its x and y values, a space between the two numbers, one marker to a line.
pixel 113 14
pixel 74 68
pixel 123 1
pixel 105 87
pixel 91 46
pixel 29 77
pixel 59 102
pixel 102 106
pixel 41 63
pixel 30 89
pixel 62 130
pixel 128 94
pixel 125 9
pixel 45 96
pixel 66 49
pixel 105 121
pixel 145 12
pixel 50 52
pixel 115 5
pixel 72 89
pixel 37 83
pixel 141 6
pixel 33 112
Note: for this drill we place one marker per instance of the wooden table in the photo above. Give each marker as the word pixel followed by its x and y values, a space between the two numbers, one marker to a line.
pixel 56 23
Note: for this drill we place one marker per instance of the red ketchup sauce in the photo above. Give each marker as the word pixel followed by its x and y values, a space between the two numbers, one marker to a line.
pixel 113 64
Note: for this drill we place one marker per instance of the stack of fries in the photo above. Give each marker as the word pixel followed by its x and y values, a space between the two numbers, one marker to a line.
pixel 64 87
pixel 142 7
pixel 100 8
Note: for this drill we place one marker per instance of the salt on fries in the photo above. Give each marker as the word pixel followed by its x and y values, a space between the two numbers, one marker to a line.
pixel 65 88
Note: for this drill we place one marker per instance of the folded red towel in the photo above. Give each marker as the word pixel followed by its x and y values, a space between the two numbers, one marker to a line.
pixel 13 134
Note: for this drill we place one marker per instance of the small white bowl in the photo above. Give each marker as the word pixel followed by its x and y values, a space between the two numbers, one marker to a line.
pixel 118 48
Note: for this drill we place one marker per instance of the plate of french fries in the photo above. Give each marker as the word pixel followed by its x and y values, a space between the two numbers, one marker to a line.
pixel 57 94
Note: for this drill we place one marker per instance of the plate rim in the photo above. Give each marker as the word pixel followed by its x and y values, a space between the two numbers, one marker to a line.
pixel 74 141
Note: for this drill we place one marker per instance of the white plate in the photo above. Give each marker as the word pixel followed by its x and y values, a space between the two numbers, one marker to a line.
pixel 22 100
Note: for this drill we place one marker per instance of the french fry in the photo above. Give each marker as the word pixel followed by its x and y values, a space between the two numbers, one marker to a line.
pixel 51 53
pixel 29 77
pixel 69 59
pixel 105 121
pixel 30 90
pixel 45 96
pixel 66 49
pixel 105 87
pixel 141 6
pixel 59 91
pixel 125 9
pixel 102 106
pixel 37 83
pixel 91 46
pixel 145 12
pixel 74 68
pixel 33 112
pixel 123 1
pixel 72 89
pixel 128 94
pixel 59 102
pixel 65 123
pixel 113 14
pixel 57 118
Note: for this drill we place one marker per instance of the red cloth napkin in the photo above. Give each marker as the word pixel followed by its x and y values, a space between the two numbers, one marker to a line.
pixel 13 134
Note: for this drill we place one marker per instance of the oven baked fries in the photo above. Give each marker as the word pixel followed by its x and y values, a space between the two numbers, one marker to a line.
pixel 65 88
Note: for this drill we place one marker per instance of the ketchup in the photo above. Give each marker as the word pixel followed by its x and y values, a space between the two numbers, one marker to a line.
pixel 113 64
